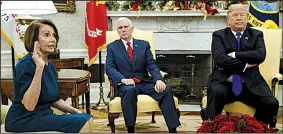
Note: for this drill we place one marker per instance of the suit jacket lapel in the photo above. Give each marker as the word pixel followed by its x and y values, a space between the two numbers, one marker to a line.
pixel 135 47
pixel 232 39
pixel 124 51
pixel 244 39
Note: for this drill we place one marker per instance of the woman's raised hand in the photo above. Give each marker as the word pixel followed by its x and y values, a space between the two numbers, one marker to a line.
pixel 37 57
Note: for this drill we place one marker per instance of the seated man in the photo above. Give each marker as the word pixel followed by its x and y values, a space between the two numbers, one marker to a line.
pixel 237 52
pixel 128 62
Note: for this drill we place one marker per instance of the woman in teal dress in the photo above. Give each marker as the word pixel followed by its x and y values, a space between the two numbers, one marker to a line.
pixel 36 88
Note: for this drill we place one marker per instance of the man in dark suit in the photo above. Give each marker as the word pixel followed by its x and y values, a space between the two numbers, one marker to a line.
pixel 237 52
pixel 128 62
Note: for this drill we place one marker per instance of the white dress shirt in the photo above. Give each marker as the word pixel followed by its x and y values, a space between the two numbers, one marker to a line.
pixel 233 55
pixel 125 43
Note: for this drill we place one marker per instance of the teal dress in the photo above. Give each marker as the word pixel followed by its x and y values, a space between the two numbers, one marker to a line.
pixel 19 119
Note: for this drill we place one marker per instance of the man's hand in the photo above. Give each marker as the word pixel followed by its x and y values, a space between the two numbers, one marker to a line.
pixel 160 86
pixel 128 81
pixel 251 65
pixel 232 54
pixel 78 111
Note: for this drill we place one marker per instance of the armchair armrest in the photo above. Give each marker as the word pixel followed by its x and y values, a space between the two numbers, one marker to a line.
pixel 111 93
pixel 4 111
pixel 164 75
pixel 274 81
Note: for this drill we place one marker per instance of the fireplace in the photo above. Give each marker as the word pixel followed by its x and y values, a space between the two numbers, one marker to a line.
pixel 188 74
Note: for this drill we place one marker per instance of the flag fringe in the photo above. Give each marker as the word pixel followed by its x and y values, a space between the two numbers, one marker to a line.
pixel 11 43
pixel 95 57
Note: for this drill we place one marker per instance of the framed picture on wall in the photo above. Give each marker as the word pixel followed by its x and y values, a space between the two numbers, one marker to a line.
pixel 65 5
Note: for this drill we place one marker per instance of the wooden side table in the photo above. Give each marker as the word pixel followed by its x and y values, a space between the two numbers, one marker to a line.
pixel 82 86
pixel 71 82
pixel 72 63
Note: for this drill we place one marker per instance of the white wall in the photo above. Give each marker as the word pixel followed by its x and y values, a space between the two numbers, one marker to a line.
pixel 70 26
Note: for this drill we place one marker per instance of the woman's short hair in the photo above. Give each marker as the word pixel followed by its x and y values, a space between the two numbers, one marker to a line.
pixel 32 32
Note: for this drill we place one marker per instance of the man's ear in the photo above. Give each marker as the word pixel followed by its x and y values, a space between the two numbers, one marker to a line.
pixel 132 27
pixel 227 19
pixel 228 22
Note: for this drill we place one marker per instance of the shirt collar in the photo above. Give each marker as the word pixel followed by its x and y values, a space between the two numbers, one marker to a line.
pixel 234 33
pixel 125 42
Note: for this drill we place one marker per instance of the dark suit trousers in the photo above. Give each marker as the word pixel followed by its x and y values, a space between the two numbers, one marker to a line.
pixel 220 94
pixel 128 94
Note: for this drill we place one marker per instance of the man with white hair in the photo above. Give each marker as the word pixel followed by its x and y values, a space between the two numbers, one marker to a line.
pixel 237 52
pixel 128 62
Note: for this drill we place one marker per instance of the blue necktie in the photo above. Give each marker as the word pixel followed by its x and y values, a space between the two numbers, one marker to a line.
pixel 237 80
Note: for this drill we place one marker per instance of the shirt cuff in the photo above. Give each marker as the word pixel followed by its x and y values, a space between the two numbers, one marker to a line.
pixel 245 67
pixel 234 54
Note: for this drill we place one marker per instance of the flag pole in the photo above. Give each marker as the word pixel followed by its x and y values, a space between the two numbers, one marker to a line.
pixel 13 58
pixel 4 98
pixel 95 13
pixel 101 104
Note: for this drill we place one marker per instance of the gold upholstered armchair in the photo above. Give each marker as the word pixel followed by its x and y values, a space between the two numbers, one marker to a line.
pixel 145 103
pixel 269 69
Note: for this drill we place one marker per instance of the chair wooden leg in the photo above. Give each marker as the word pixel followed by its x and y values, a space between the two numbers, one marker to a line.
pixel 111 119
pixel 227 113
pixel 152 119
pixel 83 100
pixel 87 98
pixel 4 99
pixel 75 101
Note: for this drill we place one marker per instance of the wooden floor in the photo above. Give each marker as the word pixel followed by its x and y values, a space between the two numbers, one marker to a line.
pixel 102 114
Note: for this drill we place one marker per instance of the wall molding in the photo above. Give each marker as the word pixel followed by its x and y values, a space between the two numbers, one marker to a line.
pixel 6 58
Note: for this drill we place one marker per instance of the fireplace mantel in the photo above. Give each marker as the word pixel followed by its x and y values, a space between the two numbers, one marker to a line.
pixel 180 13
pixel 182 31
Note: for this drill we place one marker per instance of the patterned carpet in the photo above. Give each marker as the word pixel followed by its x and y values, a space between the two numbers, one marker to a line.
pixel 190 122
pixel 143 125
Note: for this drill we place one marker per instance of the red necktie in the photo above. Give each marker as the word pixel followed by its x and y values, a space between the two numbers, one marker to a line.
pixel 130 53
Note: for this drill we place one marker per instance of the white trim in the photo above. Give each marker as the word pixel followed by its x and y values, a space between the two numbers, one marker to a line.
pixel 64 54
pixel 159 13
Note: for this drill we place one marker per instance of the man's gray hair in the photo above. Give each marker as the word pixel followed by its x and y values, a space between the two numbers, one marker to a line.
pixel 237 6
pixel 126 19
